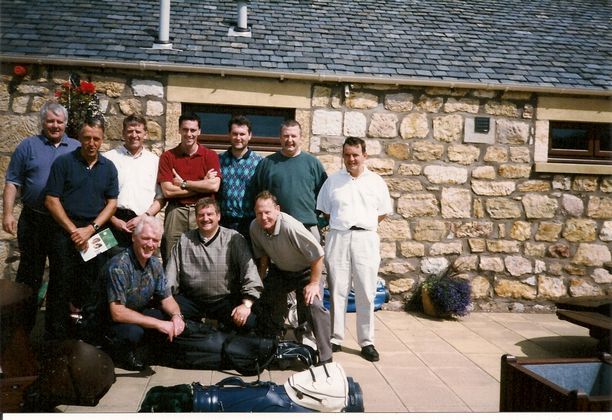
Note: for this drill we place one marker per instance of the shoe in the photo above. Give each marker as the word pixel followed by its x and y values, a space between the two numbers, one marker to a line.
pixel 370 354
pixel 129 361
pixel 336 348
pixel 323 362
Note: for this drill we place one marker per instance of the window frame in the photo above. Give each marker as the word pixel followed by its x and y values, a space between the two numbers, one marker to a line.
pixel 593 153
pixel 221 141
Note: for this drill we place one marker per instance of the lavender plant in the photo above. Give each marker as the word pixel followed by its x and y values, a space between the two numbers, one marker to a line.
pixel 449 294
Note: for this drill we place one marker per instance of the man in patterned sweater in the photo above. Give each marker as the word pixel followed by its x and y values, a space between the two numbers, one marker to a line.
pixel 238 165
pixel 212 273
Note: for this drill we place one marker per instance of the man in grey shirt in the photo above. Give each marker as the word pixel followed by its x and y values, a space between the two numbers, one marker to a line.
pixel 290 259
pixel 212 272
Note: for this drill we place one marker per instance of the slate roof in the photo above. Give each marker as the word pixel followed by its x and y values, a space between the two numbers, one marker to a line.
pixel 554 43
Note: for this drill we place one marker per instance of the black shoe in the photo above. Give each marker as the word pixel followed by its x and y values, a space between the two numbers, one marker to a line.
pixel 336 347
pixel 323 362
pixel 370 354
pixel 129 361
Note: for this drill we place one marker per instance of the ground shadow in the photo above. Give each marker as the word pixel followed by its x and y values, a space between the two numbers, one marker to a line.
pixel 560 346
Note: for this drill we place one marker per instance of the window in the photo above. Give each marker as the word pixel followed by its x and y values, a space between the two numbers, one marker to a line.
pixel 266 124
pixel 580 142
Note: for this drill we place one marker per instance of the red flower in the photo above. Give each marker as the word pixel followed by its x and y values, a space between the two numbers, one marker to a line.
pixel 20 71
pixel 87 88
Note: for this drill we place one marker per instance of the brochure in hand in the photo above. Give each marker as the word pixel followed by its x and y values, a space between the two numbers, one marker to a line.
pixel 99 243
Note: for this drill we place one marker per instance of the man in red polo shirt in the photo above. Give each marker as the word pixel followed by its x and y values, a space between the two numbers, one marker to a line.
pixel 186 173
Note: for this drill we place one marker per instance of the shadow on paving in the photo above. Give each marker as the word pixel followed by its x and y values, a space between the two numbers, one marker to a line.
pixel 561 346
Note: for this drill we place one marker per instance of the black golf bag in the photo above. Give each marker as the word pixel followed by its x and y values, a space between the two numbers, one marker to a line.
pixel 319 389
pixel 203 347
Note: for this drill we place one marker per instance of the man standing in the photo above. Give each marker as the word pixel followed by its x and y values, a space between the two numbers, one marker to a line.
pixel 27 175
pixel 137 172
pixel 138 297
pixel 187 173
pixel 293 176
pixel 293 261
pixel 238 165
pixel 81 196
pixel 355 200
pixel 213 272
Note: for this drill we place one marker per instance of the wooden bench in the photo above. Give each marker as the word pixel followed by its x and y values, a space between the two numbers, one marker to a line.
pixel 591 313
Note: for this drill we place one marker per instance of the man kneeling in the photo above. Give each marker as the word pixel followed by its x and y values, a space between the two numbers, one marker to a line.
pixel 140 302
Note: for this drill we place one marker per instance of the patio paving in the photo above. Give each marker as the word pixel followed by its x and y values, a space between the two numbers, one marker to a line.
pixel 426 365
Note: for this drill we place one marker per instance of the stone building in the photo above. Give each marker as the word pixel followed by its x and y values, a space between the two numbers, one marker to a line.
pixel 461 104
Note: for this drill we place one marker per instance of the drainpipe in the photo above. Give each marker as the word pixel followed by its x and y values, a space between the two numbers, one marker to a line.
pixel 163 41
pixel 242 27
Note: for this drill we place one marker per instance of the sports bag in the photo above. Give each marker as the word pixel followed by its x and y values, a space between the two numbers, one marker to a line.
pixel 205 348
pixel 320 389
pixel 382 296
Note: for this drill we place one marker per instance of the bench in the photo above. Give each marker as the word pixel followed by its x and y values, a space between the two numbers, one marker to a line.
pixel 591 313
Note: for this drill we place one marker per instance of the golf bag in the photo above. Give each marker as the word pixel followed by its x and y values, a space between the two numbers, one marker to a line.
pixel 319 389
pixel 203 347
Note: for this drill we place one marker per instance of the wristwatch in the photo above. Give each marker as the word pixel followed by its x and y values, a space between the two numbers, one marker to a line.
pixel 95 226
pixel 184 185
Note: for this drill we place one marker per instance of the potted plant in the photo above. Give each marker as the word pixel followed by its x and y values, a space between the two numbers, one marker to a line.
pixel 80 99
pixel 446 295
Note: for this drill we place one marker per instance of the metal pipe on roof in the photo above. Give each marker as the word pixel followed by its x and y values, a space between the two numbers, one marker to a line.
pixel 242 20
pixel 271 74
pixel 163 41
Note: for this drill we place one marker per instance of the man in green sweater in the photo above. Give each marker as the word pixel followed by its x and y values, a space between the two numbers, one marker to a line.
pixel 293 176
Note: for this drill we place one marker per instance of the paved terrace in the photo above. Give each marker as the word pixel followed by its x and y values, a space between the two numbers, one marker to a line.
pixel 427 365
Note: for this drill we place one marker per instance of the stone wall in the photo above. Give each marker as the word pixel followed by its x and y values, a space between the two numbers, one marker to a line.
pixel 121 93
pixel 520 237
pixel 471 201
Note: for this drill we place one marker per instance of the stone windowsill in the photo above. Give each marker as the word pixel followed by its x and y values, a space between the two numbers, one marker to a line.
pixel 573 168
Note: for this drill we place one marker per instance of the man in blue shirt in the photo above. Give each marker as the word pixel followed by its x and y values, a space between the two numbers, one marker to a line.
pixel 238 165
pixel 27 176
pixel 81 195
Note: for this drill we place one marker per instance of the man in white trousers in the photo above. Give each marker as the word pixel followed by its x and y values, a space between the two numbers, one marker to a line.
pixel 355 200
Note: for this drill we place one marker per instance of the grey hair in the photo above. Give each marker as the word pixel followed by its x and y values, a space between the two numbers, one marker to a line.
pixel 146 220
pixel 54 108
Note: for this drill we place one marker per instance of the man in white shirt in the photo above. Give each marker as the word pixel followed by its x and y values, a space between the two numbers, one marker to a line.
pixel 354 200
pixel 139 193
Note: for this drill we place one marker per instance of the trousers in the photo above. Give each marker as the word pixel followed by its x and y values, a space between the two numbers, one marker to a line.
pixel 33 232
pixel 352 259
pixel 274 308
pixel 71 281
pixel 177 220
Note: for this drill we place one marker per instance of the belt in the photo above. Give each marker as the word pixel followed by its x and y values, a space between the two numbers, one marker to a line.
pixel 125 214
pixel 356 228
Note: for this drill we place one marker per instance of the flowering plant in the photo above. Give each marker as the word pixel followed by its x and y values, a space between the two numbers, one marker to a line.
pixel 449 294
pixel 81 101
pixel 20 71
